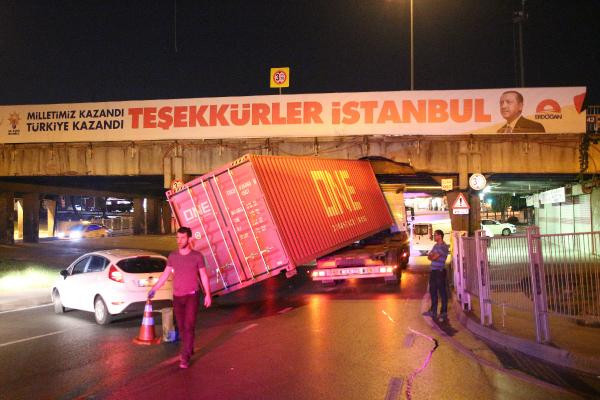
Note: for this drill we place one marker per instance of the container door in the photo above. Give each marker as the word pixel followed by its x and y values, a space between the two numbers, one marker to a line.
pixel 253 227
pixel 232 228
pixel 195 208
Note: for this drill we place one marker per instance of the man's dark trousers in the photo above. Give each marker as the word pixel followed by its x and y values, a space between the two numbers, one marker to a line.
pixel 186 308
pixel 437 282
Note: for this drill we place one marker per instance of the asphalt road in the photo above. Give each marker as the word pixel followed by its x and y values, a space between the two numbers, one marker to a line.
pixel 280 339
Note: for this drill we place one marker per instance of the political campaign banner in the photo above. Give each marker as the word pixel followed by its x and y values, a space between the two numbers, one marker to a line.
pixel 552 110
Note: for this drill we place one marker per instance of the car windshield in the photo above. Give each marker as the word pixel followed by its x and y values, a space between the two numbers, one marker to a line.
pixel 421 230
pixel 77 227
pixel 141 265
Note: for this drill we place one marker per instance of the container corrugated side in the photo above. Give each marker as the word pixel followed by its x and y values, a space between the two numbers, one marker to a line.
pixel 320 205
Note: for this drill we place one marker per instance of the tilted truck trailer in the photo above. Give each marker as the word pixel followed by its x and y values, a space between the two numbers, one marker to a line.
pixel 261 215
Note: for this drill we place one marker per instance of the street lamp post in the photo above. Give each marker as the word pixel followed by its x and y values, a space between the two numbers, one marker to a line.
pixel 412 48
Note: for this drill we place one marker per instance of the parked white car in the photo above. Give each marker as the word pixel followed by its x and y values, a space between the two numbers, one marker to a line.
pixel 492 227
pixel 111 282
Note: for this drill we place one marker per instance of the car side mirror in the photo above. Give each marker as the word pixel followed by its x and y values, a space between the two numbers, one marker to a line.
pixel 64 273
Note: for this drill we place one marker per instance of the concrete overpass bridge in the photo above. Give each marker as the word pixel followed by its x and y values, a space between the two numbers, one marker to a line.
pixel 137 148
pixel 142 169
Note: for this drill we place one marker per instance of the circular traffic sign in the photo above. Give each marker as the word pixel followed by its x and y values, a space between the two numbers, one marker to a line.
pixel 279 77
pixel 477 181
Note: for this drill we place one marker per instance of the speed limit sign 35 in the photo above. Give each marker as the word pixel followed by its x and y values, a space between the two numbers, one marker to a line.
pixel 280 77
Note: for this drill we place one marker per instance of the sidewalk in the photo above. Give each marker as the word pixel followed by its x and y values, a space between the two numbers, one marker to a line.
pixel 574 346
pixel 506 354
pixel 24 298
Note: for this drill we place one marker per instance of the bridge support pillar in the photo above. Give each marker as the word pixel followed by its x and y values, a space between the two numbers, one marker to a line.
pixel 31 220
pixel 50 206
pixel 7 218
pixel 166 217
pixel 152 216
pixel 139 226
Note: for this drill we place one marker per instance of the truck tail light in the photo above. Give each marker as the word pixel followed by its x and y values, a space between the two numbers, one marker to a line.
pixel 115 275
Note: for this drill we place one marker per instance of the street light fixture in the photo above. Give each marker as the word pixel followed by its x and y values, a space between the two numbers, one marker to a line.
pixel 412 46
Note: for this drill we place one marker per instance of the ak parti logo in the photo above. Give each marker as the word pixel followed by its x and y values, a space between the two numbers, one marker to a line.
pixel 13 122
pixel 548 109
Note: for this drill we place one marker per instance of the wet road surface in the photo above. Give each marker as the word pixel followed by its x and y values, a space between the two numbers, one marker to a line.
pixel 280 339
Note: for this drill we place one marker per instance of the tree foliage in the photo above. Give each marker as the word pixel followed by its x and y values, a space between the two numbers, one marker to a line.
pixel 501 202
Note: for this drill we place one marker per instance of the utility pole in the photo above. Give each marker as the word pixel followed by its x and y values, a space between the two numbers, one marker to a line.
pixel 519 17
pixel 412 47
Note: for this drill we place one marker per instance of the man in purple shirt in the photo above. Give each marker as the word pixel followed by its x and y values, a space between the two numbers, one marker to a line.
pixel 186 264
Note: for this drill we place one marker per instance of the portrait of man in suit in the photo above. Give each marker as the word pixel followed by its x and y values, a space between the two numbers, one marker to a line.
pixel 511 108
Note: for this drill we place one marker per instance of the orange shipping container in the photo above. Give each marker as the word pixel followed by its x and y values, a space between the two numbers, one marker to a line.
pixel 259 215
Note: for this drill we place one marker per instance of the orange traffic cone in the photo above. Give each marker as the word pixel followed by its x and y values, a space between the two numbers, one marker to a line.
pixel 147 335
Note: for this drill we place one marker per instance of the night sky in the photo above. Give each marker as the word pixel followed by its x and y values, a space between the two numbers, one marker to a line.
pixel 86 51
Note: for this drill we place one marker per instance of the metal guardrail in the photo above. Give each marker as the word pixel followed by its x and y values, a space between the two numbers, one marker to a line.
pixel 118 225
pixel 556 274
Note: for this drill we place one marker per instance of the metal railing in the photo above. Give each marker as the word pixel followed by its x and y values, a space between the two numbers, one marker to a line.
pixel 508 263
pixel 541 275
pixel 471 276
pixel 118 225
pixel 572 267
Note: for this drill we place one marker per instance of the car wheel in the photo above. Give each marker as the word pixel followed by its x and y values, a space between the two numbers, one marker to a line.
pixel 505 232
pixel 58 307
pixel 101 313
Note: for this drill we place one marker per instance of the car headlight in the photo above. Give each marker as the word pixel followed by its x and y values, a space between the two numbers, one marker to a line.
pixel 60 235
pixel 75 235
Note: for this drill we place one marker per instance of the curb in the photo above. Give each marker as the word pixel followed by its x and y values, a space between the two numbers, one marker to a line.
pixel 468 353
pixel 553 355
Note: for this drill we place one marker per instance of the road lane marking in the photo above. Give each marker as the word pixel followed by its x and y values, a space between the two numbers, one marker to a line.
pixel 244 329
pixel 388 315
pixel 32 338
pixel 285 310
pixel 26 308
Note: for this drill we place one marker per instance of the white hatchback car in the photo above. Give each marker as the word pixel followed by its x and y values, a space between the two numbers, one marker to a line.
pixel 111 282
pixel 492 227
